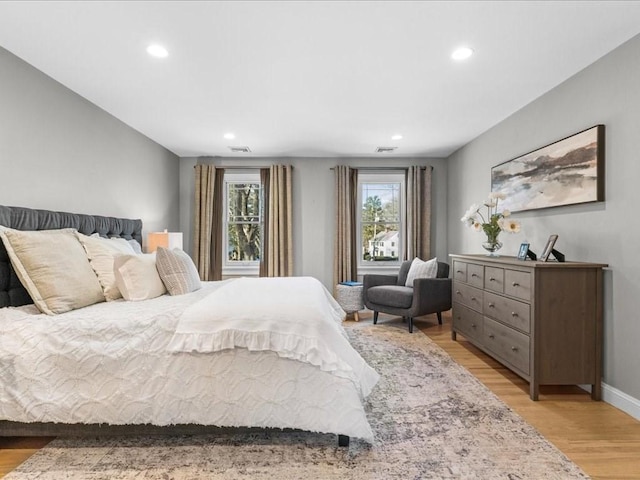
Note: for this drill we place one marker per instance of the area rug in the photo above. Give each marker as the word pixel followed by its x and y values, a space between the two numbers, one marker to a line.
pixel 431 419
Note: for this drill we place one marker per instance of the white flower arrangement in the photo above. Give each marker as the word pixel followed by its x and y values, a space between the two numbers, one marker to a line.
pixel 495 222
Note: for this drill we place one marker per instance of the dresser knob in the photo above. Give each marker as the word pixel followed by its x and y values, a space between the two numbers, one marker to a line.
pixel 491 279
pixel 515 284
pixel 514 349
pixel 457 292
pixel 459 271
pixel 491 305
pixel 474 274
pixel 492 336
pixel 473 325
pixel 473 299
pixel 514 314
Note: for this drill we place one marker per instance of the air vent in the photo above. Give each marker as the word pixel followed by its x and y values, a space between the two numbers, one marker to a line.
pixel 385 149
pixel 240 149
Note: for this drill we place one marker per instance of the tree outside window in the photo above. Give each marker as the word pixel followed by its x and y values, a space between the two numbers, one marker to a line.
pixel 380 222
pixel 244 221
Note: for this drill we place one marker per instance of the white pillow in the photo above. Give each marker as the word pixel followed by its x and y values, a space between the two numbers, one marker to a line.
pixel 54 269
pixel 137 277
pixel 137 248
pixel 177 271
pixel 421 269
pixel 101 253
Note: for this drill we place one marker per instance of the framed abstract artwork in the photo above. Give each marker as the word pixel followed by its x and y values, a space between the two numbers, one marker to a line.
pixel 566 172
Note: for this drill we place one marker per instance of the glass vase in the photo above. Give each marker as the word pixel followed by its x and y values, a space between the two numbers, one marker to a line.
pixel 492 245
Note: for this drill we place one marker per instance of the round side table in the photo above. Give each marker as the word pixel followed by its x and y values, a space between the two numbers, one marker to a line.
pixel 350 299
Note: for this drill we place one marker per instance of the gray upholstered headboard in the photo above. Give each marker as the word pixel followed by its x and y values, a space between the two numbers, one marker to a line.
pixel 12 293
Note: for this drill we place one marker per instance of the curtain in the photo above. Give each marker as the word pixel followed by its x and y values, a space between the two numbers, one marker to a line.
pixel 277 252
pixel 207 251
pixel 418 228
pixel 345 258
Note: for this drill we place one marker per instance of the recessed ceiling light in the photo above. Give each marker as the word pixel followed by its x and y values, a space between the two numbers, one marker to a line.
pixel 229 136
pixel 157 51
pixel 396 137
pixel 462 53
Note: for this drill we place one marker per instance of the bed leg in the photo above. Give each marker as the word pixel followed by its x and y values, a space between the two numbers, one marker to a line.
pixel 343 440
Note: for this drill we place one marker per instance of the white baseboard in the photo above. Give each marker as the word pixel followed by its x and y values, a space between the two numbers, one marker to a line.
pixel 618 399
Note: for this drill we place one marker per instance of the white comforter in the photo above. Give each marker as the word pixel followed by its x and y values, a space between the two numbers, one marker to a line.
pixel 110 363
pixel 295 317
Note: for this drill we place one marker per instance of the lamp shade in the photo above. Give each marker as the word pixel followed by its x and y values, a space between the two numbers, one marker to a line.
pixel 164 239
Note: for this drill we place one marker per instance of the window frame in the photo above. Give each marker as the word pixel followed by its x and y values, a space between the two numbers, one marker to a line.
pixel 383 177
pixel 240 267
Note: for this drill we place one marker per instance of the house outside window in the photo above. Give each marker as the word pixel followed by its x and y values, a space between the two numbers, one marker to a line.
pixel 381 219
pixel 243 223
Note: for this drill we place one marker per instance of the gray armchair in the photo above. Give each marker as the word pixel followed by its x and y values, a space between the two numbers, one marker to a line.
pixel 388 294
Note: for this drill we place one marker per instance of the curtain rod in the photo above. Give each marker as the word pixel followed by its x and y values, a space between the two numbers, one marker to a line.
pixel 243 167
pixel 422 167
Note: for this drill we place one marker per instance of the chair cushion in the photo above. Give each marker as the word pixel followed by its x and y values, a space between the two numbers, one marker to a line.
pixel 391 296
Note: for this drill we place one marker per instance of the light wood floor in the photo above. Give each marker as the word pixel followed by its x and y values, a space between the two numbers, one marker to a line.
pixel 602 440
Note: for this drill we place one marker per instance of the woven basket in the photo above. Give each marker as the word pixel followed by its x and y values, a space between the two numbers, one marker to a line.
pixel 350 297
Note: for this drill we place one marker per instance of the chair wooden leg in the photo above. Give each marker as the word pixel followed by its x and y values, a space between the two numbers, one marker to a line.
pixel 439 318
pixel 375 317
pixel 410 324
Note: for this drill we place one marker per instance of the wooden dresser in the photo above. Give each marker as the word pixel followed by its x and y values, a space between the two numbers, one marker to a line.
pixel 542 320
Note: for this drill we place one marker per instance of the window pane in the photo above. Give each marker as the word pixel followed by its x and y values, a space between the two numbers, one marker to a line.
pixel 244 242
pixel 381 212
pixel 244 222
pixel 244 202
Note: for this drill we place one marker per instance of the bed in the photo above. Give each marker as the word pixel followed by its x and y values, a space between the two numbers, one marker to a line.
pixel 139 367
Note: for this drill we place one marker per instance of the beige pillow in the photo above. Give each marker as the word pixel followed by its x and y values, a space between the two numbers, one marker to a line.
pixel 177 271
pixel 54 269
pixel 137 277
pixel 101 252
pixel 421 269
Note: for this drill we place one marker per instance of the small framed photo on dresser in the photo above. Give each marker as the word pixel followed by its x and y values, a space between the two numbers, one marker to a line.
pixel 522 253
pixel 548 247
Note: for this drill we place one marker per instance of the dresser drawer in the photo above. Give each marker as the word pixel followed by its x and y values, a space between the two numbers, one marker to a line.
pixel 494 279
pixel 468 296
pixel 517 284
pixel 467 322
pixel 460 271
pixel 512 312
pixel 506 343
pixel 475 275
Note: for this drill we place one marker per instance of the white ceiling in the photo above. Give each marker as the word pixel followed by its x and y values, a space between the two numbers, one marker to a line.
pixel 313 78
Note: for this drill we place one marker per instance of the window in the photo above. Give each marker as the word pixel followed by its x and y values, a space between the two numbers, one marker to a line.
pixel 243 223
pixel 380 218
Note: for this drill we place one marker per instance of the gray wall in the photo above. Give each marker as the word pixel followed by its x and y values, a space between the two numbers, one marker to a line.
pixel 60 152
pixel 607 92
pixel 314 205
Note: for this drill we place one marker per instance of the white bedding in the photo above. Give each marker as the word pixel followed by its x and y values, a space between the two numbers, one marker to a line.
pixel 295 317
pixel 110 363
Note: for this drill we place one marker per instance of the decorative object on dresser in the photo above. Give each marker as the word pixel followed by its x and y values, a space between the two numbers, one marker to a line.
pixel 542 320
pixel 566 172
pixel 495 222
pixel 525 253
pixel 549 250
pixel 399 295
